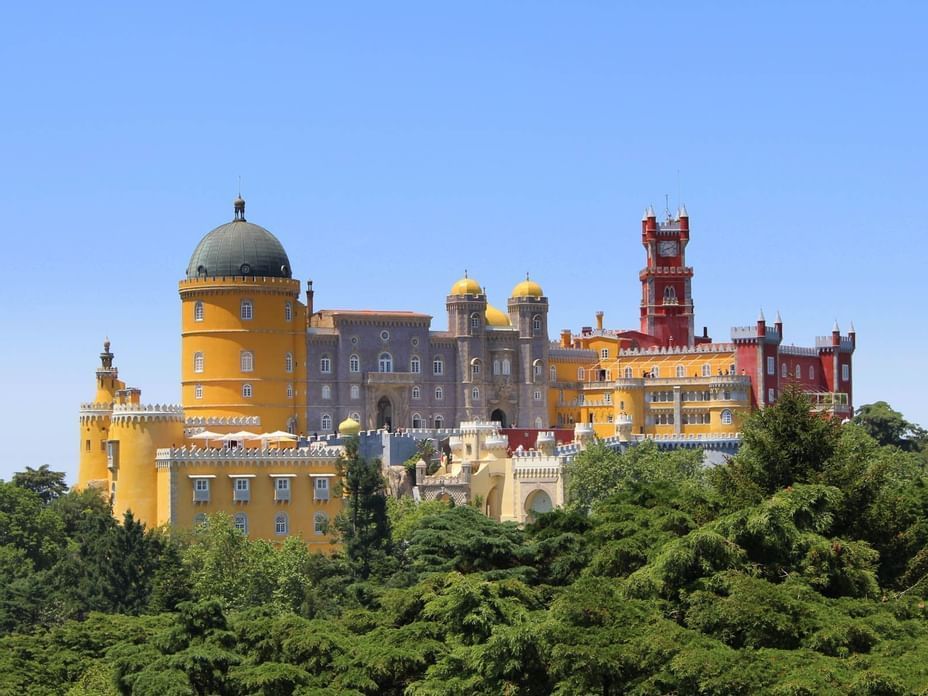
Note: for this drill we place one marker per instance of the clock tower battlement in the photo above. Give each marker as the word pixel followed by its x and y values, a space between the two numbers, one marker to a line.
pixel 666 280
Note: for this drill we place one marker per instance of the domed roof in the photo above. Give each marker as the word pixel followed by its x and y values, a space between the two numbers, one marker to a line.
pixel 239 248
pixel 349 427
pixel 527 288
pixel 496 317
pixel 466 286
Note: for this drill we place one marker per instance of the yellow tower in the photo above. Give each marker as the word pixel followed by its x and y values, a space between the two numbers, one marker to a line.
pixel 243 340
pixel 95 424
pixel 136 433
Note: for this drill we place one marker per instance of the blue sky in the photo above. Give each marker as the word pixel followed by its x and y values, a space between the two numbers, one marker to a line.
pixel 391 145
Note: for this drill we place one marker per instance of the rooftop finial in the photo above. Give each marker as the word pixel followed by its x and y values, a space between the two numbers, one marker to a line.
pixel 836 327
pixel 526 276
pixel 779 318
pixel 852 329
pixel 760 316
pixel 465 272
pixel 239 207
pixel 106 344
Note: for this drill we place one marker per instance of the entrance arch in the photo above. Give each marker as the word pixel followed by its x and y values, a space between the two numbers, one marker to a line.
pixel 500 416
pixel 537 503
pixel 493 504
pixel 384 413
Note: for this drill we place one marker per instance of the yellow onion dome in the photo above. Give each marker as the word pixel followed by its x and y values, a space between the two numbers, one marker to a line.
pixel 496 317
pixel 466 286
pixel 527 288
pixel 349 427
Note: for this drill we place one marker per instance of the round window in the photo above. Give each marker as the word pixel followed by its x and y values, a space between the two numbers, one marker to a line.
pixel 245 268
pixel 384 335
pixel 354 340
pixel 415 340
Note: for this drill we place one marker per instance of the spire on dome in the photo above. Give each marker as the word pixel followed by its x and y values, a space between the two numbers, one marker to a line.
pixel 239 208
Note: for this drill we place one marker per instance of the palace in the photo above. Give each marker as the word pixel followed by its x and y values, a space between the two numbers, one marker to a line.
pixel 266 377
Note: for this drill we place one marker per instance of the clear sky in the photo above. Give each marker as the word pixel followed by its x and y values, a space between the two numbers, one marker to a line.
pixel 391 145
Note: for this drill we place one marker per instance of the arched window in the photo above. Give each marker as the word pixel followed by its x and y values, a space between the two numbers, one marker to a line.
pixel 811 372
pixel 320 523
pixel 288 362
pixel 385 363
pixel 655 371
pixel 241 522
pixel 355 416
pixel 247 361
pixel 415 365
pixel 538 369
pixel 246 391
pixel 552 373
pixel 198 362
pixel 354 364
pixel 628 373
pixel 507 366
pixel 475 394
pixel 604 354
pixel 198 391
pixel 326 392
pixel 325 423
pixel 325 364
pixel 783 371
pixel 537 395
pixel 496 367
pixel 246 311
pixel 439 393
pixel 726 417
pixel 798 372
pixel 416 393
pixel 670 295
pixel 198 311
pixel 707 370
pixel 581 374
pixel 438 366
pixel 290 391
pixel 416 420
pixel 536 324
pixel 681 371
pixel 475 321
pixel 439 422
pixel 475 367
pixel 539 424
pixel 281 524
pixel 355 391
pixel 288 311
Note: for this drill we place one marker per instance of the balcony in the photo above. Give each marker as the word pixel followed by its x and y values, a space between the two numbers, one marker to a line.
pixel 721 381
pixel 835 403
pixel 241 495
pixel 405 378
pixel 200 496
pixel 282 494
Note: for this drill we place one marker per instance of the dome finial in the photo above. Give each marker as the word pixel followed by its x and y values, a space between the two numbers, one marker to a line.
pixel 239 207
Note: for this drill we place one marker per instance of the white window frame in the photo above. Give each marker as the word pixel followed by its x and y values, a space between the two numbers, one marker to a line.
pixel 197 391
pixel 385 364
pixel 537 395
pixel 355 391
pixel 247 361
pixel 281 524
pixel 288 362
pixel 845 373
pixel 198 362
pixel 320 523
pixel 438 366
pixel 475 321
pixel 506 367
pixel 288 311
pixel 439 421
pixel 726 417
pixel 681 371
pixel 581 374
pixel 629 373
pixel 354 363
pixel 241 522
pixel 707 370
pixel 771 365
pixel 247 391
pixel 552 373
pixel 290 390
pixel 325 422
pixel 321 488
pixel 415 365
pixel 811 371
pixel 475 393
pixel 246 310
pixel 326 392
pixel 325 365
pixel 536 324
pixel 604 354
pixel 798 372
pixel 439 394
pixel 771 395
pixel 416 393
pixel 198 311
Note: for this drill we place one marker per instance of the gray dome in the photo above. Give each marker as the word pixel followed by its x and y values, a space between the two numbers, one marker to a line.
pixel 239 248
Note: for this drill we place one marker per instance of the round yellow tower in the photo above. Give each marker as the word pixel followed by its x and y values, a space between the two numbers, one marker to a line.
pixel 95 424
pixel 243 340
pixel 136 433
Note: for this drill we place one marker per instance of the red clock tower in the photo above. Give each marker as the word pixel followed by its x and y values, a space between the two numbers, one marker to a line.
pixel 666 293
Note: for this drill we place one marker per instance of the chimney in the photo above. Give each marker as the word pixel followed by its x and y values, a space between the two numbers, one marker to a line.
pixel 309 298
pixel 599 320
pixel 565 338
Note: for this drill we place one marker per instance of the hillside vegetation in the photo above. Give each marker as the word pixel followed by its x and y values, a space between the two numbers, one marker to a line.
pixel 800 567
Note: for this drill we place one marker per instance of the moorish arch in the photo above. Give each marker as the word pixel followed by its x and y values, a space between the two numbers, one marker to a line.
pixel 385 413
pixel 499 415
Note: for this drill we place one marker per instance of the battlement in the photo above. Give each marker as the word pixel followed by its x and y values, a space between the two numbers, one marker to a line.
pixel 844 343
pixel 245 456
pixel 741 333
pixel 147 412
pixel 699 349
pixel 537 466
pixel 289 286
pixel 96 408
pixel 201 421
pixel 799 350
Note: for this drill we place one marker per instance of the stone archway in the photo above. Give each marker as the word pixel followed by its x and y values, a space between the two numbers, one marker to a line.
pixel 385 413
pixel 537 503
pixel 499 415
pixel 493 510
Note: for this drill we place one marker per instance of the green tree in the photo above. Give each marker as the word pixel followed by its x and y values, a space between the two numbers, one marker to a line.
pixel 48 485
pixel 363 525
pixel 888 427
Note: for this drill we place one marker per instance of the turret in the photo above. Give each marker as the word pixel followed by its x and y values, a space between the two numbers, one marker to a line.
pixel 852 334
pixel 778 325
pixel 761 325
pixel 95 424
pixel 836 334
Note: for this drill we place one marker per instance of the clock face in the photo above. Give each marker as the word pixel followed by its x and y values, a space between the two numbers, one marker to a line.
pixel 667 249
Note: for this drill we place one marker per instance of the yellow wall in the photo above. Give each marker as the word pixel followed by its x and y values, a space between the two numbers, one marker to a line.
pixel 221 337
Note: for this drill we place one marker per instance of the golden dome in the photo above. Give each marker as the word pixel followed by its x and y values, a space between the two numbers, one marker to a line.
pixel 496 317
pixel 349 427
pixel 527 288
pixel 466 286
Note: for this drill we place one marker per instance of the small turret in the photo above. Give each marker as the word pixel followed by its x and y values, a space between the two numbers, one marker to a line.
pixel 599 320
pixel 836 334
pixel 761 324
pixel 778 324
pixel 852 334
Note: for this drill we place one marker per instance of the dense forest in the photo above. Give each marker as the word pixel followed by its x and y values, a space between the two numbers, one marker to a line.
pixel 799 567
